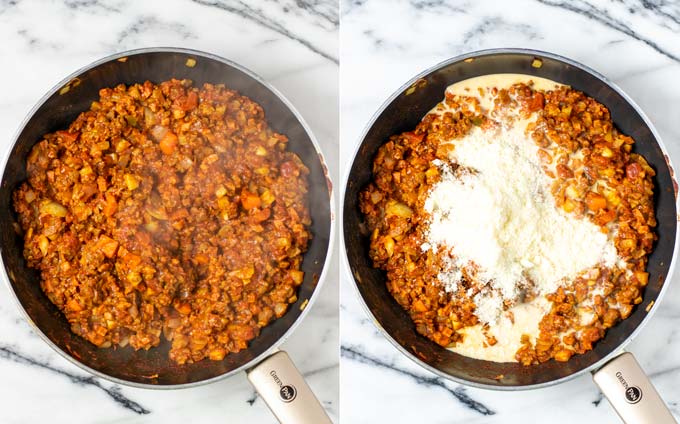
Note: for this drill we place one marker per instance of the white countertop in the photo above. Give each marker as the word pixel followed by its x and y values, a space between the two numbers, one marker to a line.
pixel 383 45
pixel 294 48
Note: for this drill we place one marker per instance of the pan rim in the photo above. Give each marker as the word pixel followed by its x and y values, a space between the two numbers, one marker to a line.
pixel 331 236
pixel 472 55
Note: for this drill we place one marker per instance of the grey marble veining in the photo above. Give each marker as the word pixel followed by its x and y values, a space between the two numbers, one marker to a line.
pixel 291 44
pixel 322 14
pixel 631 19
pixel 383 44
pixel 12 354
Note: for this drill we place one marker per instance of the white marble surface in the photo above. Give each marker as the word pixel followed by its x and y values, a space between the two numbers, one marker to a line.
pixel 383 44
pixel 293 45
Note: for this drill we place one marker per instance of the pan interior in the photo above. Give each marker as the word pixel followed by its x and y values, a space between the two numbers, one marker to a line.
pixel 402 114
pixel 57 112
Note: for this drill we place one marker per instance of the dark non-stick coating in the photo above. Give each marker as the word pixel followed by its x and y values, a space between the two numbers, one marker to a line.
pixel 57 111
pixel 402 114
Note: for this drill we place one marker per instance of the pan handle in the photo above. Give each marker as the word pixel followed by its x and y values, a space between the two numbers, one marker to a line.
pixel 631 393
pixel 286 392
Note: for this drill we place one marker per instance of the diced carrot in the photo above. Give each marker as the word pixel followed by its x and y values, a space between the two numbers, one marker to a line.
pixel 249 200
pixel 73 305
pixel 190 102
pixel 605 216
pixel 183 308
pixel 536 102
pixel 110 206
pixel 131 260
pixel 201 259
pixel 419 306
pixel 168 143
pixel 595 201
pixel 108 246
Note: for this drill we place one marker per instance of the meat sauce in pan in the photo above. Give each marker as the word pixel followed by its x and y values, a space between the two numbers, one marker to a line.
pixel 167 211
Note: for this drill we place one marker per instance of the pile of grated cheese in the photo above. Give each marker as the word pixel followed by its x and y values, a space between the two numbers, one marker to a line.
pixel 499 219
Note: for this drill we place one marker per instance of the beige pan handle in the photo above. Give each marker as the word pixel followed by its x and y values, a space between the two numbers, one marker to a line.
pixel 286 392
pixel 630 392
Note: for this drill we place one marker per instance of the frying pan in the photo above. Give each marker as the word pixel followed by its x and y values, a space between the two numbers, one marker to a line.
pixel 271 371
pixel 618 375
